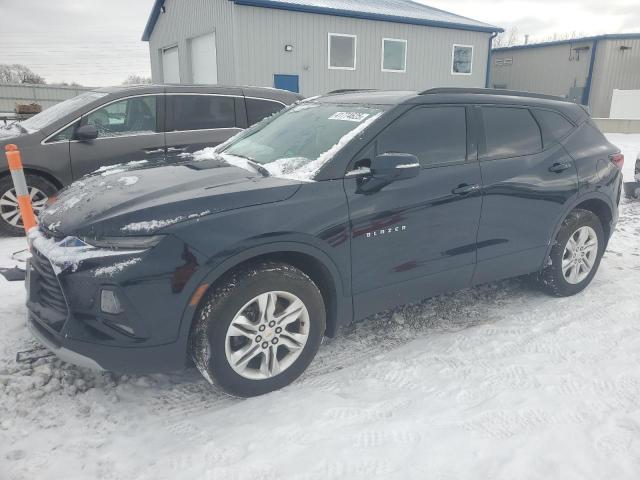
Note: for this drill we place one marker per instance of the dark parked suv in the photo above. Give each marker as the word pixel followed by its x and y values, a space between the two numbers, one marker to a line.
pixel 336 208
pixel 114 125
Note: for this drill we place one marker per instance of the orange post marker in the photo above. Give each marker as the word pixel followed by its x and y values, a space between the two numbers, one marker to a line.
pixel 20 186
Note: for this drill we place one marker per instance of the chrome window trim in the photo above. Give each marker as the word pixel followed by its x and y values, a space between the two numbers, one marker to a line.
pixel 47 142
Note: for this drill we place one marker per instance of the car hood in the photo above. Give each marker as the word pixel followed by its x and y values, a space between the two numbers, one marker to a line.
pixel 140 198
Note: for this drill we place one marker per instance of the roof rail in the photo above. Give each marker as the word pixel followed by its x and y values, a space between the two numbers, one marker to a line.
pixel 349 90
pixel 493 91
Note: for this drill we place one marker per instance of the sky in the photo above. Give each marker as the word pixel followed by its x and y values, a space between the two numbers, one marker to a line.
pixel 97 42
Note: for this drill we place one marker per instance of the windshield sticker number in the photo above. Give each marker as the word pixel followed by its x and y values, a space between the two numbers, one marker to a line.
pixel 349 116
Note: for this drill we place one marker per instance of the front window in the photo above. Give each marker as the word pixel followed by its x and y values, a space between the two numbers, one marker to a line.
pixel 462 60
pixel 342 51
pixel 301 140
pixel 60 110
pixel 125 117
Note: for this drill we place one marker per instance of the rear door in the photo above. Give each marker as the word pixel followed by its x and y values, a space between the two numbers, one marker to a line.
pixel 128 129
pixel 416 237
pixel 198 120
pixel 527 182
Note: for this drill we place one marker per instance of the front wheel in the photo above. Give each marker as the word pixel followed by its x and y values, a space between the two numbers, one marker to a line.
pixel 40 190
pixel 575 256
pixel 259 329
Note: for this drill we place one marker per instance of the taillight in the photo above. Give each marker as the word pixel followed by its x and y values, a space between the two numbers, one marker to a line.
pixel 617 159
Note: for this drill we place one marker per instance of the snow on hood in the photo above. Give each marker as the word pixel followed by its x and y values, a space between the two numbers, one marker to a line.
pixel 295 168
pixel 9 131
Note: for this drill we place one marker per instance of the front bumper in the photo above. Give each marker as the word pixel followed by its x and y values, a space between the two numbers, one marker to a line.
pixel 64 309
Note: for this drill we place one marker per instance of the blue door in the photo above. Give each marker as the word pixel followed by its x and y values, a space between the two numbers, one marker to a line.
pixel 287 82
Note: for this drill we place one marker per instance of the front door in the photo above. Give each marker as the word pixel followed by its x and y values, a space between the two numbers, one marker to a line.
pixel 128 130
pixel 416 238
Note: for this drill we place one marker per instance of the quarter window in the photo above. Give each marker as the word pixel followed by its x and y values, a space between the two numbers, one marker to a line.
pixel 394 55
pixel 259 109
pixel 201 112
pixel 462 60
pixel 553 125
pixel 342 51
pixel 510 132
pixel 64 135
pixel 130 116
pixel 436 135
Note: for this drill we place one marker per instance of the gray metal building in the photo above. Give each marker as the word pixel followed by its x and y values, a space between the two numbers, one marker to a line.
pixel 316 46
pixel 585 70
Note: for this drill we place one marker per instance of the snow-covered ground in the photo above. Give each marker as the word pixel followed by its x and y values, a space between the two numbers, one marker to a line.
pixel 497 382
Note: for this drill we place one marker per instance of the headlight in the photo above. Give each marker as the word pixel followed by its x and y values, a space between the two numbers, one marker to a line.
pixel 125 242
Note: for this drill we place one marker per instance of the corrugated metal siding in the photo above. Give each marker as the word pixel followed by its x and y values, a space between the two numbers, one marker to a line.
pixel 614 68
pixel 261 34
pixel 44 95
pixel 542 70
pixel 266 32
pixel 185 19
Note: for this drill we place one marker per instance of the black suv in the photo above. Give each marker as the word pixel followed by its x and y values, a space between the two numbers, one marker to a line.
pixel 242 258
pixel 116 124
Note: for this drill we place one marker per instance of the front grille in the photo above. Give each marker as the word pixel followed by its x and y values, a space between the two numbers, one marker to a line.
pixel 48 293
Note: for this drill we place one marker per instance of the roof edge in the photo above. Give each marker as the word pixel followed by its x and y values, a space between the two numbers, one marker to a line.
pixel 608 36
pixel 275 4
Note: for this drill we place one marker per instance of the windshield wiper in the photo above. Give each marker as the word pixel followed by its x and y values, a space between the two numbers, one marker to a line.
pixel 18 126
pixel 258 166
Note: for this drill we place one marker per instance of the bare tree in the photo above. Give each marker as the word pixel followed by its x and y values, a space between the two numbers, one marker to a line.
pixel 17 73
pixel 508 38
pixel 136 80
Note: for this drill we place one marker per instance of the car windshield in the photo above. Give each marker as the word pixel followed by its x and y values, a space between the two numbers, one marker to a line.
pixel 297 142
pixel 59 110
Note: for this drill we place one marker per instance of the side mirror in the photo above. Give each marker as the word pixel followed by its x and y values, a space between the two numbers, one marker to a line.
pixel 390 167
pixel 86 132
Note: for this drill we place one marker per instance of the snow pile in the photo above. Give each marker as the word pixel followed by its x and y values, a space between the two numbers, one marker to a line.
pixel 116 267
pixel 120 167
pixel 9 131
pixel 152 225
pixel 128 181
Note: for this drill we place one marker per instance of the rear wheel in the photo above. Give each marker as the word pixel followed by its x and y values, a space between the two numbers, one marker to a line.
pixel 40 190
pixel 259 329
pixel 575 256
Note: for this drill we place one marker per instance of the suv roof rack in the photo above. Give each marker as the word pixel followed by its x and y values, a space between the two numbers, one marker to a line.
pixel 348 90
pixel 492 91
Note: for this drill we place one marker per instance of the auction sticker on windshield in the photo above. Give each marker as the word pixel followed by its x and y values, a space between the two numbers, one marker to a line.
pixel 349 116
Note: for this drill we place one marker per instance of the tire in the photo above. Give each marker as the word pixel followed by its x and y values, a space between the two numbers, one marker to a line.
pixel 563 282
pixel 10 220
pixel 216 346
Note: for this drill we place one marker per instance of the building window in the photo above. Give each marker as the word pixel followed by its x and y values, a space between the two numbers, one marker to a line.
pixel 394 55
pixel 342 51
pixel 462 60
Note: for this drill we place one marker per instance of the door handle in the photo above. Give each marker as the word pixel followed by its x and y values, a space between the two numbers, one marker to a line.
pixel 177 149
pixel 464 189
pixel 152 151
pixel 559 167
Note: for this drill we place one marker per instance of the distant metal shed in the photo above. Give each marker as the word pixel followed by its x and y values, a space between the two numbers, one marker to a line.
pixel 585 70
pixel 316 46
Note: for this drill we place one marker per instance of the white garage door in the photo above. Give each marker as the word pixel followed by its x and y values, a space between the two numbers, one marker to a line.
pixel 204 67
pixel 170 65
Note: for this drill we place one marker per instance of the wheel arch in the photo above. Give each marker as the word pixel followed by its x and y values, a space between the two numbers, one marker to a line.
pixel 311 260
pixel 41 173
pixel 595 202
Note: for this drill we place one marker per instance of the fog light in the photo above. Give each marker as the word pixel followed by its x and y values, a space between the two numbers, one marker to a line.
pixel 109 302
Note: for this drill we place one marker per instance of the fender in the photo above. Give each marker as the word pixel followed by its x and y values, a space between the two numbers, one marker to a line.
pixel 569 206
pixel 344 305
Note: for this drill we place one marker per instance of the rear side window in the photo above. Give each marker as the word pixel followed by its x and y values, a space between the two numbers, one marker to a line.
pixel 200 112
pixel 436 135
pixel 510 132
pixel 258 109
pixel 553 125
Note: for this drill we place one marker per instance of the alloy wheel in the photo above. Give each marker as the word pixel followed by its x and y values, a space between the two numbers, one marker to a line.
pixel 267 335
pixel 10 210
pixel 580 255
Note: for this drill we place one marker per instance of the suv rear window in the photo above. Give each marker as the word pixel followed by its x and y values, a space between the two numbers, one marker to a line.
pixel 510 132
pixel 258 109
pixel 200 112
pixel 436 135
pixel 553 125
